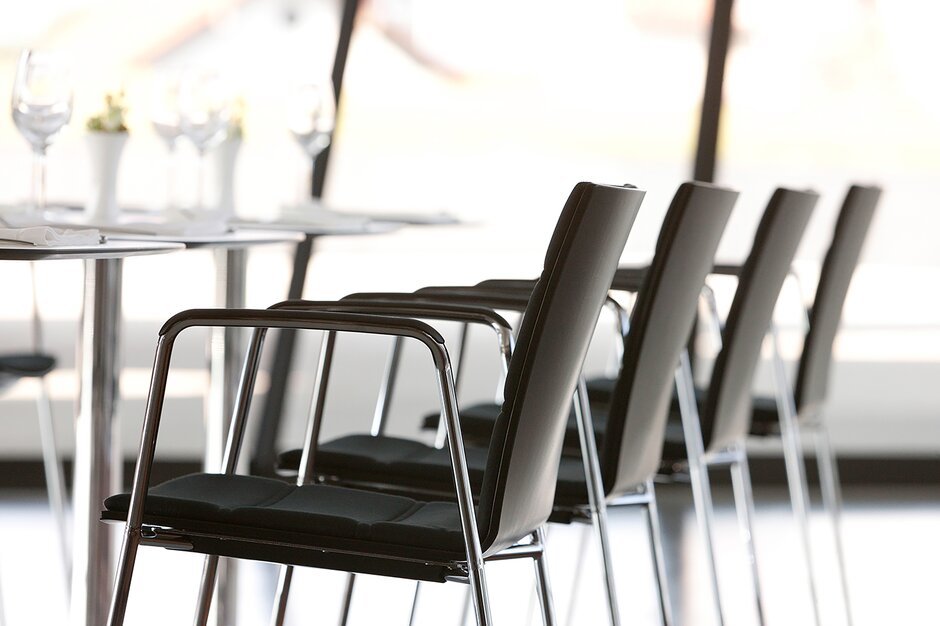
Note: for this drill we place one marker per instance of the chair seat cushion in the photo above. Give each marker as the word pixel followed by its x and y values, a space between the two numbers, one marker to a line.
pixel 23 365
pixel 258 506
pixel 764 418
pixel 409 464
pixel 477 420
pixel 16 366
pixel 397 461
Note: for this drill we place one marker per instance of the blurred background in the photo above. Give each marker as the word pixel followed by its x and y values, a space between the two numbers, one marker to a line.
pixel 469 107
pixel 490 111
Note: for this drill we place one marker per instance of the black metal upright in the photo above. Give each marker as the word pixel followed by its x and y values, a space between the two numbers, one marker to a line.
pixel 264 454
pixel 348 19
pixel 719 42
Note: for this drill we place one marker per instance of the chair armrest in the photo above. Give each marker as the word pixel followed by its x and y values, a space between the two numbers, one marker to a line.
pixel 455 295
pixel 727 269
pixel 629 279
pixel 420 308
pixel 508 284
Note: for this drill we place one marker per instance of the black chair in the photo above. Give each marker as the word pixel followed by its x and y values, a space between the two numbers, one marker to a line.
pixel 697 440
pixel 630 454
pixel 790 412
pixel 801 410
pixel 369 532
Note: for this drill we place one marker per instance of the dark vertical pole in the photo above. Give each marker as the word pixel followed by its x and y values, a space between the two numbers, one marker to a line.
pixel 705 153
pixel 350 7
pixel 719 42
pixel 264 456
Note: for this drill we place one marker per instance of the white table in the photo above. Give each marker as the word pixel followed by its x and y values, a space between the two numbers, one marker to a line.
pixel 97 455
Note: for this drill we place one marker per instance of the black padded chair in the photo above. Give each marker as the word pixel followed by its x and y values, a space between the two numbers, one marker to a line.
pixel 713 436
pixel 369 532
pixel 630 456
pixel 801 410
pixel 795 411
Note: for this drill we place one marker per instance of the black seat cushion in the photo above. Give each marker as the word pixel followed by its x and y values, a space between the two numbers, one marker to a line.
pixel 402 461
pixel 764 418
pixel 16 366
pixel 257 506
pixel 476 424
pixel 409 464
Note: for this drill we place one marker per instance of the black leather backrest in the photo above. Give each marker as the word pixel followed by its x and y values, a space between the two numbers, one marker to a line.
pixel 726 414
pixel 659 329
pixel 838 266
pixel 525 450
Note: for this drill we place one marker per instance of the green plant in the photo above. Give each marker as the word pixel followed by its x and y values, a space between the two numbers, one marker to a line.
pixel 111 120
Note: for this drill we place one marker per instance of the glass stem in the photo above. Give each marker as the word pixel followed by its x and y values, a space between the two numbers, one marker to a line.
pixel 39 180
pixel 171 176
pixel 201 182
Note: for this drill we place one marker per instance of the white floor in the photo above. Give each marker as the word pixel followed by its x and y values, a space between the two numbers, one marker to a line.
pixel 892 543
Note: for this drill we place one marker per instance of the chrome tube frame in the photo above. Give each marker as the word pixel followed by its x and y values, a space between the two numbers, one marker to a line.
pixel 698 471
pixel 744 505
pixel 235 437
pixel 832 500
pixel 384 400
pixel 305 471
pixel 542 580
pixel 597 500
pixel 313 320
pixel 793 457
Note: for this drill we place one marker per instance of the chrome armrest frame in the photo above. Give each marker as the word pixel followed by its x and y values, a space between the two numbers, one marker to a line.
pixel 330 321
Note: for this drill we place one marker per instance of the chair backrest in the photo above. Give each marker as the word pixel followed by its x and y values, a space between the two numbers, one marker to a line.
pixel 659 329
pixel 835 275
pixel 556 329
pixel 726 415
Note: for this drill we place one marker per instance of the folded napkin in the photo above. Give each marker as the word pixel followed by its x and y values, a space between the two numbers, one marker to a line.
pixel 314 213
pixel 52 236
pixel 184 228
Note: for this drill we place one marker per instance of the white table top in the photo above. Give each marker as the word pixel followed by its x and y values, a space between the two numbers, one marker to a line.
pixel 352 227
pixel 238 238
pixel 111 249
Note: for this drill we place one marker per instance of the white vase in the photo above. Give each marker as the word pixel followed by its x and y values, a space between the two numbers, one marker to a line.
pixel 105 156
pixel 224 158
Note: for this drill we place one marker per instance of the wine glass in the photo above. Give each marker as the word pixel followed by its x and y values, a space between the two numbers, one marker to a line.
pixel 42 106
pixel 165 117
pixel 311 118
pixel 204 113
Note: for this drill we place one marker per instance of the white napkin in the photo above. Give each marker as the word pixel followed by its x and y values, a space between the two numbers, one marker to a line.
pixel 51 236
pixel 315 213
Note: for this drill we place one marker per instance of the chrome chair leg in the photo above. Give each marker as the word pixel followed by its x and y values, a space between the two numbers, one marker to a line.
pixel 125 573
pixel 793 457
pixel 210 571
pixel 347 599
pixel 596 499
pixel 698 472
pixel 659 560
pixel 279 611
pixel 832 500
pixel 543 582
pixel 414 604
pixel 744 505
pixel 578 567
pixel 55 483
pixel 479 593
